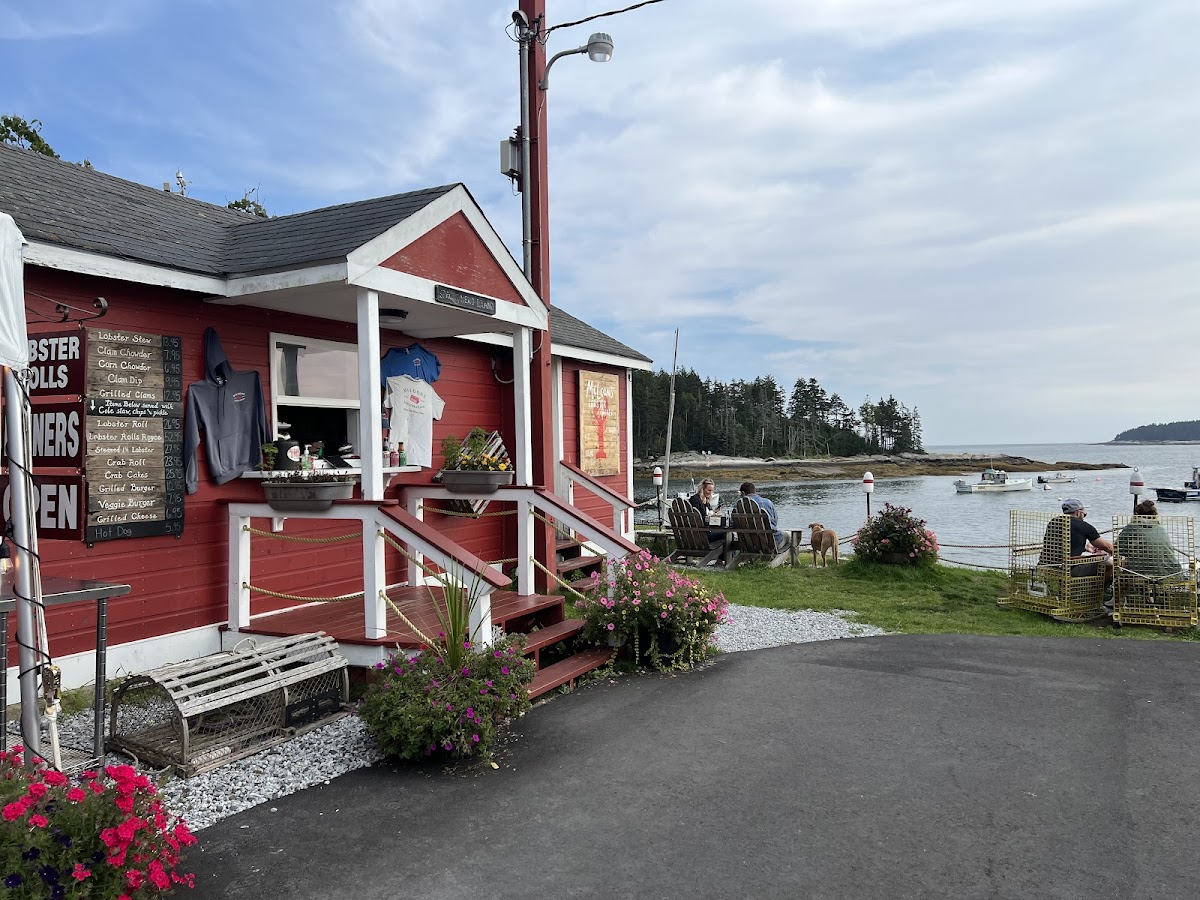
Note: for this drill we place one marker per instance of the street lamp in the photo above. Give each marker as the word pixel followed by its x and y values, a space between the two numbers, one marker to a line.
pixel 599 48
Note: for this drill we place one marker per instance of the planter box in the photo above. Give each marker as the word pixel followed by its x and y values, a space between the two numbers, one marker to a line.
pixel 459 481
pixel 296 496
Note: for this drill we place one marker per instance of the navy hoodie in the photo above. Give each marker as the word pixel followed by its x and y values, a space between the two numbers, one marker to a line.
pixel 229 407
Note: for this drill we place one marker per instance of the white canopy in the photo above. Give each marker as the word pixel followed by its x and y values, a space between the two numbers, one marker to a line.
pixel 14 341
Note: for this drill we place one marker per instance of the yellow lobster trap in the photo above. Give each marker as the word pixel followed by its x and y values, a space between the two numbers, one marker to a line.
pixel 1042 575
pixel 1154 581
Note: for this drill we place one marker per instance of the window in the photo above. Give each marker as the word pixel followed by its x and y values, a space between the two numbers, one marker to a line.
pixel 314 389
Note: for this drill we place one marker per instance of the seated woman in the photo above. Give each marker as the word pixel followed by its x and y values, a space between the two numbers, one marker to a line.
pixel 1144 546
pixel 707 502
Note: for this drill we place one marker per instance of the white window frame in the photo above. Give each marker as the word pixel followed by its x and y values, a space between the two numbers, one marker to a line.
pixel 353 407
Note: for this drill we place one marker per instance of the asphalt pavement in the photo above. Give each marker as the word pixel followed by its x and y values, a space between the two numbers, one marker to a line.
pixel 892 767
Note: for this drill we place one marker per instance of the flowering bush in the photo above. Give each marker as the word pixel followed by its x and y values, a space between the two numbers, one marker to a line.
pixel 471 454
pixel 423 706
pixel 895 535
pixel 666 619
pixel 99 835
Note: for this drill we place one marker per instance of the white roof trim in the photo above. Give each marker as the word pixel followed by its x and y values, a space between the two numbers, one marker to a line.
pixel 457 200
pixel 566 351
pixel 402 284
pixel 332 273
pixel 82 262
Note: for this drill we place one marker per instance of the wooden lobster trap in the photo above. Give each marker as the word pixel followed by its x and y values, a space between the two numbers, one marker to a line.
pixel 196 715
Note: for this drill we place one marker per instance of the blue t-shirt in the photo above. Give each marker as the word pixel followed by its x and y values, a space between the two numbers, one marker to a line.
pixel 413 360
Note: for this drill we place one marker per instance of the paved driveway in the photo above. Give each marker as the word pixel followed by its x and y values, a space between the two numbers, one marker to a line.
pixel 894 767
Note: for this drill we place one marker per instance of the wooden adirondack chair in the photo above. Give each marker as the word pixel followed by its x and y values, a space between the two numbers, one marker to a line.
pixel 755 536
pixel 691 535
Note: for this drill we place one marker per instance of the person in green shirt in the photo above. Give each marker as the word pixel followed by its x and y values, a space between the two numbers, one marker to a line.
pixel 1145 548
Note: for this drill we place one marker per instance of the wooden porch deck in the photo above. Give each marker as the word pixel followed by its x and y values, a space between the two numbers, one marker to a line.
pixel 344 621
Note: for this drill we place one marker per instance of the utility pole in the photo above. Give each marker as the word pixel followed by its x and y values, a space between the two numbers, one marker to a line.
pixel 535 217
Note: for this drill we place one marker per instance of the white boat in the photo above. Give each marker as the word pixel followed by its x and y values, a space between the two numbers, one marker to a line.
pixel 1056 478
pixel 993 481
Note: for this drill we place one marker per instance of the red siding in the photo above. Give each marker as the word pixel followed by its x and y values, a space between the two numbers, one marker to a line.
pixel 181 583
pixel 455 251
pixel 589 502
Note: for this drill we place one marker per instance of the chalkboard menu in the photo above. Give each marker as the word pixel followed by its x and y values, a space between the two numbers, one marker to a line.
pixel 133 434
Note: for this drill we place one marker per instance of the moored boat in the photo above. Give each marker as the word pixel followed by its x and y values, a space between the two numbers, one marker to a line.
pixel 1056 478
pixel 1189 491
pixel 993 481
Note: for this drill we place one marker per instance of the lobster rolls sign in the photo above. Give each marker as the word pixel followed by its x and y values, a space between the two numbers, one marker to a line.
pixel 599 423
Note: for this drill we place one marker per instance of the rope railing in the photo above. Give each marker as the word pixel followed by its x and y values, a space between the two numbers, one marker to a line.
pixel 279 536
pixel 300 597
pixel 467 515
pixel 555 576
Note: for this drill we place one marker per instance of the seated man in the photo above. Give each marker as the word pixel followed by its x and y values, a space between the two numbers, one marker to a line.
pixel 1082 534
pixel 1145 546
pixel 749 491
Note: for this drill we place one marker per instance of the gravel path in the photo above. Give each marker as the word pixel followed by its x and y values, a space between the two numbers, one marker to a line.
pixel 342 746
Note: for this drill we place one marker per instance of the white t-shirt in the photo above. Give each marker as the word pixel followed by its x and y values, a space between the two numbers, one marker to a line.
pixel 414 407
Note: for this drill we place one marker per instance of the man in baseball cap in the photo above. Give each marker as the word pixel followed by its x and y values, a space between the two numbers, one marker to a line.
pixel 1083 532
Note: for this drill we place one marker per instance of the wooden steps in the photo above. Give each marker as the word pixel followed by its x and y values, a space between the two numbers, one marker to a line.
pixel 536 641
pixel 567 670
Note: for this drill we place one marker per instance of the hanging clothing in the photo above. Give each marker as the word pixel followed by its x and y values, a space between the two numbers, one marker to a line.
pixel 413 360
pixel 229 407
pixel 414 406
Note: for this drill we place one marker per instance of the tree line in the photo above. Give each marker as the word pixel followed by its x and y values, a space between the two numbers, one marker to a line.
pixel 1169 431
pixel 757 418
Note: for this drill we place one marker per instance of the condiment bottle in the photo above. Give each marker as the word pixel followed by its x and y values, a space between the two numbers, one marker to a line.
pixel 403 457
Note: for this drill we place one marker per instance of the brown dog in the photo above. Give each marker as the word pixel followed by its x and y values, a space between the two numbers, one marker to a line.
pixel 823 540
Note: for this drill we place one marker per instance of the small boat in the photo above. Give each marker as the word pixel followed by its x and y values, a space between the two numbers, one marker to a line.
pixel 1189 491
pixel 993 481
pixel 1056 478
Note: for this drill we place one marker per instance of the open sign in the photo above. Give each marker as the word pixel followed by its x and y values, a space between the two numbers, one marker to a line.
pixel 59 503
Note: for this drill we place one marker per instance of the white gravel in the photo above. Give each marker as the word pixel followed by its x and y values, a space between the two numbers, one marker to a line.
pixel 344 745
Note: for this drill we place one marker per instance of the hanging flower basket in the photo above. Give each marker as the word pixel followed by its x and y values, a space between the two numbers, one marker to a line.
pixel 305 494
pixel 468 481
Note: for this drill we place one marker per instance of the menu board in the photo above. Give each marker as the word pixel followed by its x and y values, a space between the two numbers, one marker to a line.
pixel 133 428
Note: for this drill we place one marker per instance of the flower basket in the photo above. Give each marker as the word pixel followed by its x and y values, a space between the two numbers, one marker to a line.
pixel 468 481
pixel 305 496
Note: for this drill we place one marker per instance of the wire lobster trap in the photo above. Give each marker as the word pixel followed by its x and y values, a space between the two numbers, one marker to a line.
pixel 1154 580
pixel 196 715
pixel 1043 577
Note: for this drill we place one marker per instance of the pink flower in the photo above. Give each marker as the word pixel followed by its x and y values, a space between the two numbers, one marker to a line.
pixel 76 795
pixel 611 626
pixel 81 872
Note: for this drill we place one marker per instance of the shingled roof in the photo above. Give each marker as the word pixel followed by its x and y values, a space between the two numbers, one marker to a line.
pixel 573 332
pixel 61 203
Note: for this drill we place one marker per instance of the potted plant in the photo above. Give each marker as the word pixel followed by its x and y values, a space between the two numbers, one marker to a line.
pixel 896 537
pixel 476 465
pixel 269 452
pixel 306 491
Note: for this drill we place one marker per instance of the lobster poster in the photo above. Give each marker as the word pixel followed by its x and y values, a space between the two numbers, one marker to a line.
pixel 599 423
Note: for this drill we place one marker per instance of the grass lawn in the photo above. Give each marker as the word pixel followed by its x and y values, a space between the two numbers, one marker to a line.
pixel 936 600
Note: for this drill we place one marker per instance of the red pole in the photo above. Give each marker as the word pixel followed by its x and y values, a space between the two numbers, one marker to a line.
pixel 541 381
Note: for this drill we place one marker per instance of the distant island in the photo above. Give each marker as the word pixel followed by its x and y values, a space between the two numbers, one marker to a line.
pixel 1167 433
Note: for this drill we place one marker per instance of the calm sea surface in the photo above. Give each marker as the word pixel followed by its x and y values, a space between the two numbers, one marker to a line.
pixel 972 519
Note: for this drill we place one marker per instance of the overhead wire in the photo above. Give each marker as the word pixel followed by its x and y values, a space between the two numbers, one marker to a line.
pixel 611 12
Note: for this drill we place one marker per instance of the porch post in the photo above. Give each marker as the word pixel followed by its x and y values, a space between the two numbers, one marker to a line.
pixel 239 571
pixel 416 574
pixel 525 523
pixel 479 622
pixel 370 398
pixel 522 404
pixel 374 577
pixel 632 511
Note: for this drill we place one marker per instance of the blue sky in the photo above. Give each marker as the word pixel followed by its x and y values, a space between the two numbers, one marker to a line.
pixel 990 210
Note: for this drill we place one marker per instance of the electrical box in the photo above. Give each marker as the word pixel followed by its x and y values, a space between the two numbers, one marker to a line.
pixel 510 158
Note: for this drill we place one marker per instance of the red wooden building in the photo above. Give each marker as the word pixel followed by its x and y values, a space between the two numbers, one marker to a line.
pixel 343 284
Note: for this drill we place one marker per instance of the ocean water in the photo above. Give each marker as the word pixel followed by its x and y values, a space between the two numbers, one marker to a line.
pixel 972 522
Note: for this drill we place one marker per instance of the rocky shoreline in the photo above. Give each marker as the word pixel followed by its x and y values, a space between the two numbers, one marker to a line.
pixel 880 465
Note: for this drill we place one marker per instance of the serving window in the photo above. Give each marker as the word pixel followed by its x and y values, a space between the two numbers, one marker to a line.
pixel 314 388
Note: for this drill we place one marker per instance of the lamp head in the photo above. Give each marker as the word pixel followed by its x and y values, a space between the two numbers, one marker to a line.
pixel 600 47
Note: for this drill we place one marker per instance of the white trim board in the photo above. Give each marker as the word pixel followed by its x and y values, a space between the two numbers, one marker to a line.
pixel 101 266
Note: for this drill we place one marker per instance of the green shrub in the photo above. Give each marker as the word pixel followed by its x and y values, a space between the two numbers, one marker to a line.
pixel 423 706
pixel 896 536
pixel 101 834
pixel 661 617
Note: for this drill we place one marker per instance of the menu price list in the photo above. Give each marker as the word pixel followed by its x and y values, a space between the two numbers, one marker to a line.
pixel 134 461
